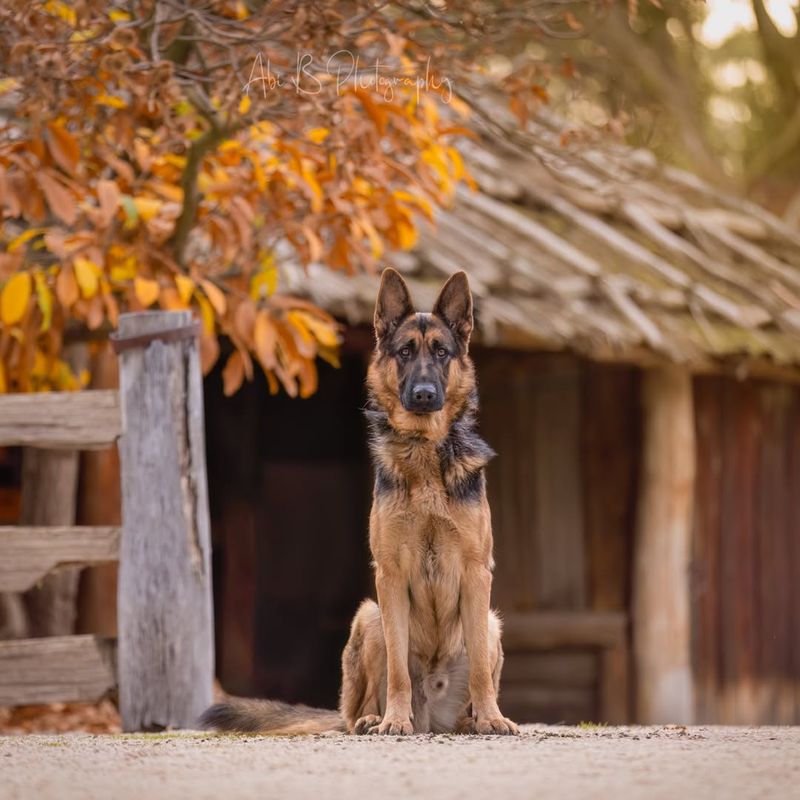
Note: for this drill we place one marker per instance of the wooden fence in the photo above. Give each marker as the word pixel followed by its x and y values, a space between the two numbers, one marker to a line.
pixel 162 663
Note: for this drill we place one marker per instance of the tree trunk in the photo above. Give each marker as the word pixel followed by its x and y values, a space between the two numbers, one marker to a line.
pixel 661 587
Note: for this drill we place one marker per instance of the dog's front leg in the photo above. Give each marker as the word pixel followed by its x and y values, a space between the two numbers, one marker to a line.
pixel 475 592
pixel 394 603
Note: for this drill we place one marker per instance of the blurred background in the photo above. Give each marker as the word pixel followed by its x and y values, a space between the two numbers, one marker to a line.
pixel 621 182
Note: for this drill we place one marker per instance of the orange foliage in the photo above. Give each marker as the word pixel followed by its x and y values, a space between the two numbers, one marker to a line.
pixel 164 153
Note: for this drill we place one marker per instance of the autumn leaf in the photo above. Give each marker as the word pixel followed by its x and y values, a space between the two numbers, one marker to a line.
pixel 63 146
pixel 233 373
pixel 112 101
pixel 308 378
pixel 61 201
pixel 87 273
pixel 67 290
pixel 324 332
pixel 108 196
pixel 215 296
pixel 265 337
pixel 15 297
pixel 24 237
pixel 209 352
pixel 206 315
pixel 147 207
pixel 45 300
pixel 244 320
pixel 146 291
pixel 265 281
pixel 318 135
pixel 185 287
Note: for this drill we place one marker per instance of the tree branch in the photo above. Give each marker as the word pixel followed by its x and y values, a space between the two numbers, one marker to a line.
pixel 191 197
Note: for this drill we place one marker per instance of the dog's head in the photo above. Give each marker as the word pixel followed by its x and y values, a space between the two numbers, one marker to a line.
pixel 424 355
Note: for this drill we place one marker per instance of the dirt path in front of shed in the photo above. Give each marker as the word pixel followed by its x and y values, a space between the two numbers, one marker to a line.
pixel 618 763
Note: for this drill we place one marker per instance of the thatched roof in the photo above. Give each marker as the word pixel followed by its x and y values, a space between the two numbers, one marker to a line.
pixel 601 250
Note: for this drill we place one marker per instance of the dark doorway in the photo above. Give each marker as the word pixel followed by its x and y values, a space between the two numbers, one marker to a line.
pixel 289 488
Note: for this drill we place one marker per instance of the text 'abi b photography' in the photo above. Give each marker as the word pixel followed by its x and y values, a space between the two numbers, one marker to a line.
pixel 347 71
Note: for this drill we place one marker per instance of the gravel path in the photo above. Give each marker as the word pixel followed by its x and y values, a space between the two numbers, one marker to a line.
pixel 562 762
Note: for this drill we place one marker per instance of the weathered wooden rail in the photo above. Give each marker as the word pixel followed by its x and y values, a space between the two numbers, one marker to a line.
pixel 162 663
pixel 606 633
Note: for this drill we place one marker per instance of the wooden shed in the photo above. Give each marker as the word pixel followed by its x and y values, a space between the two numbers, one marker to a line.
pixel 638 352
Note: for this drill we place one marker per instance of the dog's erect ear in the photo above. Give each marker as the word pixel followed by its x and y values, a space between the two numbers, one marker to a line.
pixel 394 303
pixel 454 306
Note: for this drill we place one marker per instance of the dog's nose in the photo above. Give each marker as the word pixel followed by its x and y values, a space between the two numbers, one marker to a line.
pixel 424 393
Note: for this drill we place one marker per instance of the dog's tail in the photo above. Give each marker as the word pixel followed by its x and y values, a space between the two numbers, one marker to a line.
pixel 241 715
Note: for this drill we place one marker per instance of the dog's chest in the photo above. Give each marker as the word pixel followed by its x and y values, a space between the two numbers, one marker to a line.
pixel 434 582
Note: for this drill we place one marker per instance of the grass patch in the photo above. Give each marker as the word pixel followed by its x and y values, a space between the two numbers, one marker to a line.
pixel 592 726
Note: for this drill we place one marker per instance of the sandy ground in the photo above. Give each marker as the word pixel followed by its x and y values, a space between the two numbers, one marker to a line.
pixel 561 762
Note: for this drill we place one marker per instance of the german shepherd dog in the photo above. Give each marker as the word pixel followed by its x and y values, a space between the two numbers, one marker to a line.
pixel 427 656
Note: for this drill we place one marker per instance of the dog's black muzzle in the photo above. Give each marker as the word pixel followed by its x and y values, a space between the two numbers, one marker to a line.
pixel 422 398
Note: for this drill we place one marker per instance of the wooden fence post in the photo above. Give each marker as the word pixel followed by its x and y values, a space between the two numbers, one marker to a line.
pixel 661 584
pixel 166 644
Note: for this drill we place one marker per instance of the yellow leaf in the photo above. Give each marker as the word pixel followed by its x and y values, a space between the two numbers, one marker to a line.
pixel 45 297
pixel 206 314
pixel 147 207
pixel 87 274
pixel 62 10
pixel 215 295
pixel 110 100
pixel 296 318
pixel 244 104
pixel 124 270
pixel 324 332
pixel 407 234
pixel 330 355
pixel 8 85
pixel 185 287
pixel 25 236
pixel 318 135
pixel 14 299
pixel 84 35
pixel 421 202
pixel 119 16
pixel 146 290
pixel 457 162
pixel 265 281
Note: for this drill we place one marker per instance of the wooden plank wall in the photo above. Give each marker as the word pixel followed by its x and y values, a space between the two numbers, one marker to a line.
pixel 562 492
pixel 746 559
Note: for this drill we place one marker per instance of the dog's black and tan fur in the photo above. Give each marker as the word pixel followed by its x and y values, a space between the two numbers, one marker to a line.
pixel 427 656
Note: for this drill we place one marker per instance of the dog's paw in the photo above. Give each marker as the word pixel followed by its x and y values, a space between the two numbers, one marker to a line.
pixel 366 724
pixel 394 726
pixel 495 726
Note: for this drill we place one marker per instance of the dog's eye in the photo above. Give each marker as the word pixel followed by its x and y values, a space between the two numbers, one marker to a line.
pixel 441 352
pixel 405 352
